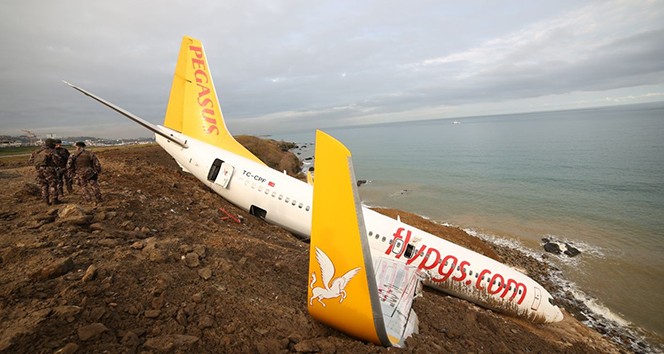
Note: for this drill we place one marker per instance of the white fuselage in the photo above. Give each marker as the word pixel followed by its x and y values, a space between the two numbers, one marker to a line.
pixel 285 201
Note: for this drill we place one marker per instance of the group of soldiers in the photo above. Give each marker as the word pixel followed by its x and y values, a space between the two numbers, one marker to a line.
pixel 56 168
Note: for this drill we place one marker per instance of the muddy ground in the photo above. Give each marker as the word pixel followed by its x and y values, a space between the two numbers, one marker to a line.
pixel 158 267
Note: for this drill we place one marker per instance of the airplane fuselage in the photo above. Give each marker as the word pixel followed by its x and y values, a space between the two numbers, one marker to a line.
pixel 285 201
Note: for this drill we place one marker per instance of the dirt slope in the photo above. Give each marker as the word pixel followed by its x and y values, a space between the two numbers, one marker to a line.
pixel 173 276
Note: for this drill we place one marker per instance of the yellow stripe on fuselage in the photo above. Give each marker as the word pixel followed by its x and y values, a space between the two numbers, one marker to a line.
pixel 193 107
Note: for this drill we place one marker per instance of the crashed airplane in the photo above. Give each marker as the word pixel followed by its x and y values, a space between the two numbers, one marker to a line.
pixel 195 135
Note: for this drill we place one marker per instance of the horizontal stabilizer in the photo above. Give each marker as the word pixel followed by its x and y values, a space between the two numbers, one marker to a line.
pixel 155 129
pixel 351 293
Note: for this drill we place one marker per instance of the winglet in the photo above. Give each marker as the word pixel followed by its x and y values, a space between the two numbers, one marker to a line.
pixel 346 296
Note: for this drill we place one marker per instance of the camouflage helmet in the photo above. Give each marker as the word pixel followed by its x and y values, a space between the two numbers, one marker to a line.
pixel 50 143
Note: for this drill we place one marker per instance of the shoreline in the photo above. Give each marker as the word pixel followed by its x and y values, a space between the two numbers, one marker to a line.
pixel 540 266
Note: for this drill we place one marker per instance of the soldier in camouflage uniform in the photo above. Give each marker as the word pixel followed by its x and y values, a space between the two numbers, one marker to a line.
pixel 84 166
pixel 46 160
pixel 63 177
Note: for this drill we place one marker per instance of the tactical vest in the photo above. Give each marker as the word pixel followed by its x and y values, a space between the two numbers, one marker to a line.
pixel 84 160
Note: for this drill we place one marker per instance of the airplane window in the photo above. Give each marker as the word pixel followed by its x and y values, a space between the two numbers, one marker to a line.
pixel 281 196
pixel 446 263
pixel 377 236
pixel 287 200
pixel 294 202
pixel 300 206
pixel 477 275
pixel 260 189
pixel 470 272
pixel 274 194
pixel 552 302
pixel 410 249
pixel 458 267
pixel 383 238
pixel 267 191
pixel 253 186
pixel 519 292
pixel 307 208
pixel 370 233
pixel 510 288
pixel 246 183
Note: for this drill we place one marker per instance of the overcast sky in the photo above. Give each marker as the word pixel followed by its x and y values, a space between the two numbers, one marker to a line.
pixel 292 65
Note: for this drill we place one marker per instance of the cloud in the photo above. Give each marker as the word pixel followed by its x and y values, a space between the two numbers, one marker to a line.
pixel 295 65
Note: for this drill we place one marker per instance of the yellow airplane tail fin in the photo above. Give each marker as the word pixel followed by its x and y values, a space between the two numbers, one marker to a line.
pixel 344 278
pixel 193 106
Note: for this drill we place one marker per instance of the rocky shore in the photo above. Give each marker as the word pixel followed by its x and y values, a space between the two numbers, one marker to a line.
pixel 159 267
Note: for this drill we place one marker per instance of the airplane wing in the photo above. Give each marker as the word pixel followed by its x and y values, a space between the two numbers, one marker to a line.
pixel 155 129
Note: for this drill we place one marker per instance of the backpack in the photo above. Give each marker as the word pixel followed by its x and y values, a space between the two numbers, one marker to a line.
pixel 42 159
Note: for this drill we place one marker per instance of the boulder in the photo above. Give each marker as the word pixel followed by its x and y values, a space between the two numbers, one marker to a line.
pixel 170 342
pixel 205 322
pixel 200 250
pixel 92 331
pixel 571 251
pixel 552 248
pixel 192 260
pixel 54 270
pixel 152 313
pixel 90 273
pixel 306 346
pixel 73 214
pixel 205 273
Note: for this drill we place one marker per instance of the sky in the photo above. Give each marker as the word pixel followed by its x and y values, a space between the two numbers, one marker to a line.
pixel 281 66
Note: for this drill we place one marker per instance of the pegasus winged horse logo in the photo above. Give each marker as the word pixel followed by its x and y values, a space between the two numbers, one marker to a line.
pixel 331 290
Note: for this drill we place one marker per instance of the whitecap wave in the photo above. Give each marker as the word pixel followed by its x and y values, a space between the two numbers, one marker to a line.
pixel 598 316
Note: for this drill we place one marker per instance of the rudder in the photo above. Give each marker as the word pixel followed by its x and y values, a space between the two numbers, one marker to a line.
pixel 193 106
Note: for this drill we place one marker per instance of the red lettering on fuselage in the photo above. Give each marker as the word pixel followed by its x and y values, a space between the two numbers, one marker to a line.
pixel 500 282
pixel 481 277
pixel 205 101
pixel 449 271
pixel 462 268
pixel 397 236
pixel 497 282
pixel 423 265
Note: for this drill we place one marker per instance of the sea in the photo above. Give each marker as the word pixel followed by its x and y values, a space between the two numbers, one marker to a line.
pixel 590 177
